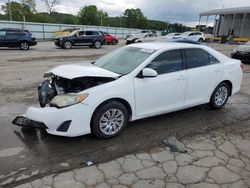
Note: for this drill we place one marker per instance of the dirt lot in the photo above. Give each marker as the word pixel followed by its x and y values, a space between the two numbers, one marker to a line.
pixel 28 154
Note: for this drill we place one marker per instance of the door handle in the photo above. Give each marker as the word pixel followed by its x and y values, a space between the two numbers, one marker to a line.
pixel 181 78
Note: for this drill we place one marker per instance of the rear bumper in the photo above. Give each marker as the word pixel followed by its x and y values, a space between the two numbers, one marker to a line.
pixel 243 57
pixel 33 43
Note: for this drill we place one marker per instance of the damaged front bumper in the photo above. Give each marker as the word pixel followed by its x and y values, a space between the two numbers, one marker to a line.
pixel 69 121
pixel 25 122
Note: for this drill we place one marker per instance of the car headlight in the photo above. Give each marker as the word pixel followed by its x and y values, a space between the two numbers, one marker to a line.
pixel 60 39
pixel 68 99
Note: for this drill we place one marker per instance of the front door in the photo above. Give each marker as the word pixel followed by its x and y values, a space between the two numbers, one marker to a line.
pixel 165 92
pixel 80 38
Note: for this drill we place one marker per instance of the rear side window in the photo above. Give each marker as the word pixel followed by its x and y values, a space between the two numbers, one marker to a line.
pixel 213 60
pixel 196 58
pixel 167 62
pixel 12 32
pixel 96 33
pixel 2 33
pixel 89 33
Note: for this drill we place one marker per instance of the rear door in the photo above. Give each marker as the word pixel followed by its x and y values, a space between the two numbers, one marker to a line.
pixel 12 38
pixel 165 92
pixel 90 35
pixel 204 73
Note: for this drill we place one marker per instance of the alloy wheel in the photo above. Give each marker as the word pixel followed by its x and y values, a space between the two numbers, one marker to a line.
pixel 24 46
pixel 111 121
pixel 221 96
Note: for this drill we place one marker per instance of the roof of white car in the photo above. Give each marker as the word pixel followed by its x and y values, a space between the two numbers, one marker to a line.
pixel 164 45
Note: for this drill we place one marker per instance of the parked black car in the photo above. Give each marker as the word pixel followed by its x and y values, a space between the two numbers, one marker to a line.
pixel 16 38
pixel 81 38
pixel 242 52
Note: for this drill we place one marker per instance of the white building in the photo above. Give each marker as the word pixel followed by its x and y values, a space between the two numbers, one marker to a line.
pixel 230 21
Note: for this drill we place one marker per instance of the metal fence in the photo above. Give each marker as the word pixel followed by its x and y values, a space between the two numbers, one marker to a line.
pixel 46 31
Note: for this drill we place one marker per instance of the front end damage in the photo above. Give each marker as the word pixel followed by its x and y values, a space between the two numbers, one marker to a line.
pixel 62 119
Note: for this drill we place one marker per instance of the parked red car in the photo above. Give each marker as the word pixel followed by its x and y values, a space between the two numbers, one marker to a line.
pixel 110 39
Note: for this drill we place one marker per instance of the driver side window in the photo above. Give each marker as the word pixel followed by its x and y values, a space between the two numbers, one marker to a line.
pixel 81 33
pixel 170 61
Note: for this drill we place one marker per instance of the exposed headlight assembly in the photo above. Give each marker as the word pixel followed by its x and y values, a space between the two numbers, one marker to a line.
pixel 67 99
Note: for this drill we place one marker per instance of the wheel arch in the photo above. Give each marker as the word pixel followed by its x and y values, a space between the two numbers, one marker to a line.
pixel 230 85
pixel 24 40
pixel 121 100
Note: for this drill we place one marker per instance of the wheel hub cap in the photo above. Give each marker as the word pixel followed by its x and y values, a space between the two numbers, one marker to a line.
pixel 221 96
pixel 111 121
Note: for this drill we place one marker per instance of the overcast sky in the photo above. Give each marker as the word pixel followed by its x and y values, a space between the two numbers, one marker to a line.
pixel 181 11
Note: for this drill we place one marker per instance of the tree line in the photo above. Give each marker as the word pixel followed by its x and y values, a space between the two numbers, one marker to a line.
pixel 87 15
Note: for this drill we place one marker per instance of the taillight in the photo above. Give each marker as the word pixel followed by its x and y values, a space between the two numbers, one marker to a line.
pixel 241 66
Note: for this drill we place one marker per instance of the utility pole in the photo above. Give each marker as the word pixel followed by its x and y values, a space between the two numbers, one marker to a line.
pixel 101 18
pixel 10 10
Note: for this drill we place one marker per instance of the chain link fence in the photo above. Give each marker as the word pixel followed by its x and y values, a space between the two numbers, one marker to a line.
pixel 46 31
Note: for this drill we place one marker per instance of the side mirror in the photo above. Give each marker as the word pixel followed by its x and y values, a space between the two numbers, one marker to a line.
pixel 147 72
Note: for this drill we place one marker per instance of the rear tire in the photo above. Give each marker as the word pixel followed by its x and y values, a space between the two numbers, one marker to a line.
pixel 220 96
pixel 109 119
pixel 113 42
pixel 98 44
pixel 24 45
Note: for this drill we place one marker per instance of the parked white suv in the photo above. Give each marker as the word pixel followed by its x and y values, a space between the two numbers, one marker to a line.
pixel 196 36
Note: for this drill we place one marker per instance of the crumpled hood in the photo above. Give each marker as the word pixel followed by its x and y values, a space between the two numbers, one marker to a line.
pixel 243 48
pixel 72 71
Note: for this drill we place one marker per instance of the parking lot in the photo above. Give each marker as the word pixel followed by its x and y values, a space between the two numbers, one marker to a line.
pixel 33 153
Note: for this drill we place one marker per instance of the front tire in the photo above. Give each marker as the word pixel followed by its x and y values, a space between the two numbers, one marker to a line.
pixel 200 40
pixel 220 96
pixel 67 45
pixel 113 42
pixel 24 45
pixel 109 119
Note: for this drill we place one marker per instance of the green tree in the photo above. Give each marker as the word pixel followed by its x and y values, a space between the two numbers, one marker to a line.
pixel 134 18
pixel 90 15
pixel 18 11
pixel 31 4
pixel 102 18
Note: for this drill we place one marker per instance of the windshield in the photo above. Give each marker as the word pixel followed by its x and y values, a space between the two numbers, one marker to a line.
pixel 123 60
pixel 248 43
pixel 185 34
pixel 73 32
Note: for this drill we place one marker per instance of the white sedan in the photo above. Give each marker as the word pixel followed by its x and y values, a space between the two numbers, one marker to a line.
pixel 130 83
